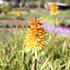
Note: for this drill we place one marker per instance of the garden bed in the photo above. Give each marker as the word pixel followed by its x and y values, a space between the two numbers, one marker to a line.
pixel 60 30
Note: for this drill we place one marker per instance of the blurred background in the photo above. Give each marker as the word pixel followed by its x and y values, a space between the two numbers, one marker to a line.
pixel 14 18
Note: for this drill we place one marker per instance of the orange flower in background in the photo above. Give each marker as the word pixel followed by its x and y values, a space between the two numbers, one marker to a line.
pixel 54 9
pixel 36 36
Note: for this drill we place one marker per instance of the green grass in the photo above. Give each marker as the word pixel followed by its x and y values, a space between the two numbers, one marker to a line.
pixel 37 13
pixel 56 21
pixel 65 13
pixel 6 16
pixel 13 57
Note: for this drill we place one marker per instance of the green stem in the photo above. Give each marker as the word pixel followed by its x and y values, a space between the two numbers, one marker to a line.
pixel 35 67
pixel 54 34
pixel 55 20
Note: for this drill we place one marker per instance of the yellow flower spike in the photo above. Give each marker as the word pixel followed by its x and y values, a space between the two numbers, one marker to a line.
pixel 54 9
pixel 35 37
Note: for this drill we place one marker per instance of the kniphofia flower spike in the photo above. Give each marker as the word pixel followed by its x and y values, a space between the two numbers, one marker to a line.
pixel 36 36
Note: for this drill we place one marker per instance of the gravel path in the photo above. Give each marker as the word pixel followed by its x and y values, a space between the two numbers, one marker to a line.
pixel 11 22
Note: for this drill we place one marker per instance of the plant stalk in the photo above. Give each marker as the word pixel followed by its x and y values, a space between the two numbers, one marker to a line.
pixel 34 65
pixel 35 60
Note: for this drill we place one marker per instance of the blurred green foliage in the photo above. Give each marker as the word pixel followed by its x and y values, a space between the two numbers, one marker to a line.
pixel 5 8
pixel 13 57
pixel 56 21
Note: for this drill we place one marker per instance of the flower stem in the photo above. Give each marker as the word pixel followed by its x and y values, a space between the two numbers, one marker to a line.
pixel 35 60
